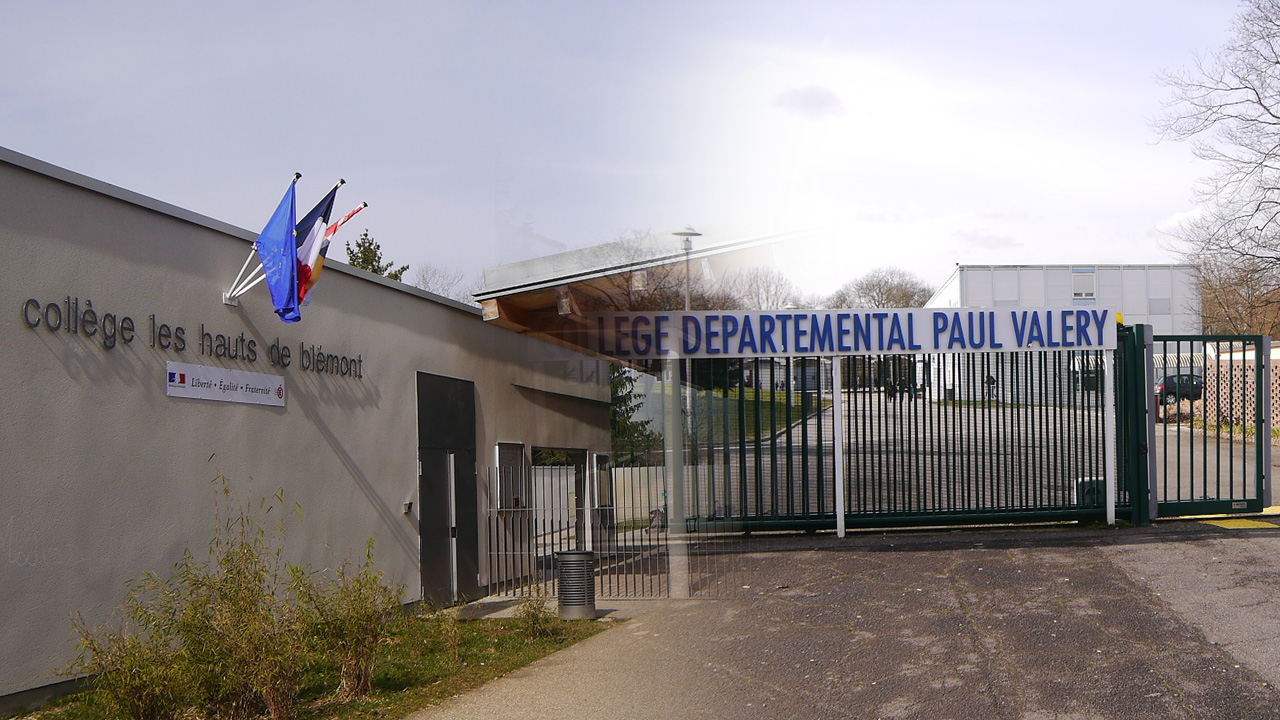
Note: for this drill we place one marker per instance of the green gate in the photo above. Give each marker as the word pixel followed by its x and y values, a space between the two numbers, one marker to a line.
pixel 927 439
pixel 930 439
pixel 1210 423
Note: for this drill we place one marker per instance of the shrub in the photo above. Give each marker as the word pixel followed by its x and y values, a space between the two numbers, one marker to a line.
pixel 533 617
pixel 231 636
pixel 450 632
pixel 348 618
pixel 138 676
pixel 239 624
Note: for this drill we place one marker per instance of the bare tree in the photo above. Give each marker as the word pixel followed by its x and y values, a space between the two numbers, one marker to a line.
pixel 882 288
pixel 1228 106
pixel 652 286
pixel 449 282
pixel 764 288
pixel 437 279
pixel 1238 298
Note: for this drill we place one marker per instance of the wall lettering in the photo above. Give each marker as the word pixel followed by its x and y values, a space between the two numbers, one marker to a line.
pixel 77 316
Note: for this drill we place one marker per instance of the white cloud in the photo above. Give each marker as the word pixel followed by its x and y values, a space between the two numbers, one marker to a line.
pixel 813 102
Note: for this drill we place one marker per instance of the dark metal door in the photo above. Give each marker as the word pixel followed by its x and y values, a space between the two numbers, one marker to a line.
pixel 448 524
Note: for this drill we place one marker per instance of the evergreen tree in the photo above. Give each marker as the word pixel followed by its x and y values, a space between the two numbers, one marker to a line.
pixel 632 439
pixel 367 255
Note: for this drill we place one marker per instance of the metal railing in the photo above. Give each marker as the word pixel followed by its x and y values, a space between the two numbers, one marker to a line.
pixel 536 512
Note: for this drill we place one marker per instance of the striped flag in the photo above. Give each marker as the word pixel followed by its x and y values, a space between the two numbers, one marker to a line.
pixel 309 235
pixel 304 291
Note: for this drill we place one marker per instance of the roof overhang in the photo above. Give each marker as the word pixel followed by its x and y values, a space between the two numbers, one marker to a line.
pixel 550 298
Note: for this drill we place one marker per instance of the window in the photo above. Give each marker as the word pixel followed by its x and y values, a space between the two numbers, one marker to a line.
pixel 1083 284
pixel 513 477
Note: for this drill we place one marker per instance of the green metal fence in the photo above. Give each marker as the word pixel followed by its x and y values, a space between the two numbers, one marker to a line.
pixel 958 438
pixel 929 439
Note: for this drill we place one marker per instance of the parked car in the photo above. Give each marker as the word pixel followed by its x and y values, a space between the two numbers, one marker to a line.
pixel 1173 388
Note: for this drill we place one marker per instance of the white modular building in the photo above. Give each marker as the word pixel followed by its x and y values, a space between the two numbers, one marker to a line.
pixel 1166 297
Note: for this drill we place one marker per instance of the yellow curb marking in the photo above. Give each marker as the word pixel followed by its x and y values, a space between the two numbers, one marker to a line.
pixel 1239 524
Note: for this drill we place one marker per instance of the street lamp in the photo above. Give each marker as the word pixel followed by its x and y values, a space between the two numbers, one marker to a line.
pixel 688 234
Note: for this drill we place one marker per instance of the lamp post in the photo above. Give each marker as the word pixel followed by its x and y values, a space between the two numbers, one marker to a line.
pixel 688 235
pixel 679 558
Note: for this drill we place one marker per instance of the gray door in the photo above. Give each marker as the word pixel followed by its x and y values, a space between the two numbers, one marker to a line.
pixel 447 521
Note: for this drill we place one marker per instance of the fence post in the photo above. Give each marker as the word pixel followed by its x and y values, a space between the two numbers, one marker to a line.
pixel 1109 420
pixel 673 438
pixel 589 501
pixel 1262 436
pixel 837 440
pixel 1147 425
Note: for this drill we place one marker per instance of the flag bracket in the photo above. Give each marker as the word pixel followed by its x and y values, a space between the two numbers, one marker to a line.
pixel 241 284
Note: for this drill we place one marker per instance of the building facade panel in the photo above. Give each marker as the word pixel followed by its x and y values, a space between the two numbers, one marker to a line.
pixel 106 476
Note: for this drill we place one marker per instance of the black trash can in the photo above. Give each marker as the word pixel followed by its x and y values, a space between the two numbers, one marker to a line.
pixel 576 572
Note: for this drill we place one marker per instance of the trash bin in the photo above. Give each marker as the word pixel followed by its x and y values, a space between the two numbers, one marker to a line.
pixel 576 573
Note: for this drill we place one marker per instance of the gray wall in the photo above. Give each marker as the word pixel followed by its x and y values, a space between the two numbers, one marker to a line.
pixel 104 477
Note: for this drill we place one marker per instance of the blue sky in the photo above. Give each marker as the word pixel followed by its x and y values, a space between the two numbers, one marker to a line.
pixel 919 135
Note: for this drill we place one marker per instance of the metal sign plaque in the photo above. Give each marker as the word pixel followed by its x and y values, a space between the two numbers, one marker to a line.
pixel 200 382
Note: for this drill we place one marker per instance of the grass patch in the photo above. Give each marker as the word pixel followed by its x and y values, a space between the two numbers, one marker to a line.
pixel 426 658
pixel 1230 430
pixel 632 524
pixel 977 404
pixel 763 412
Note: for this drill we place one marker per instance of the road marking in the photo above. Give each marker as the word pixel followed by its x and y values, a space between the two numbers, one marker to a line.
pixel 1239 523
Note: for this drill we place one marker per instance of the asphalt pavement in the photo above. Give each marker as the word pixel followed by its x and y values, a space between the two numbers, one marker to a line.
pixel 1180 620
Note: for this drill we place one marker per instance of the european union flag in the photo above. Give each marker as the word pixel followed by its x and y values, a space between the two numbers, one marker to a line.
pixel 279 253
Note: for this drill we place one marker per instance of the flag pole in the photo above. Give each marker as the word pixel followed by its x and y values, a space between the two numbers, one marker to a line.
pixel 230 294
pixel 244 286
pixel 236 289
pixel 250 285
pixel 333 229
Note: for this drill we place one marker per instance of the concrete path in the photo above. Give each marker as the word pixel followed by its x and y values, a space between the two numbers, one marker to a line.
pixel 1176 621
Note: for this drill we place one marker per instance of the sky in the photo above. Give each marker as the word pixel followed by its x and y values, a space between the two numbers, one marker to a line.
pixel 913 135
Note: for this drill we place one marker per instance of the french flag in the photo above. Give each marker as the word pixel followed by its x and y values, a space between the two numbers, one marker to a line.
pixel 177 378
pixel 309 236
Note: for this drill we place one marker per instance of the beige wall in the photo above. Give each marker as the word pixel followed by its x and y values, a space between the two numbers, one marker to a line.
pixel 104 477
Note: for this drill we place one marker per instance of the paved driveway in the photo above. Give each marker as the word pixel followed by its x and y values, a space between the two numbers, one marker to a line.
pixel 1176 621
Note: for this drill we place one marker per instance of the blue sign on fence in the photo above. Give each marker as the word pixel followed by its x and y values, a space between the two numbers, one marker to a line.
pixel 790 333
